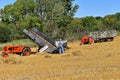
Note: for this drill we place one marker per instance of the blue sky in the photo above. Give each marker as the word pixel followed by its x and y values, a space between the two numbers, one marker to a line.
pixel 87 7
pixel 5 2
pixel 97 7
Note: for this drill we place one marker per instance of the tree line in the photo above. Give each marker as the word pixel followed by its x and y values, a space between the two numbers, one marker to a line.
pixel 55 18
pixel 82 26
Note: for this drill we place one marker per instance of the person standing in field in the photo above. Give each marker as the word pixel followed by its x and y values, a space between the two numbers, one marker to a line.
pixel 61 48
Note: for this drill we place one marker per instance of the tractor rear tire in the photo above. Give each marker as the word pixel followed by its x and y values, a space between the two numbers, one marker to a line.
pixel 5 55
pixel 26 51
pixel 91 40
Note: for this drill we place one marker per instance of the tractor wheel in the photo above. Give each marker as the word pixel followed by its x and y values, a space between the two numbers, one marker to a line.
pixel 5 55
pixel 26 51
pixel 91 40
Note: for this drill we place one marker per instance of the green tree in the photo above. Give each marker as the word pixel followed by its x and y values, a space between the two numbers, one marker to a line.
pixel 109 21
pixel 90 23
pixel 117 21
pixel 50 16
pixel 20 15
pixel 5 33
pixel 100 24
pixel 55 15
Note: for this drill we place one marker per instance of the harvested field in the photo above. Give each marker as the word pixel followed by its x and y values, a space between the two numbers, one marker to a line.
pixel 99 61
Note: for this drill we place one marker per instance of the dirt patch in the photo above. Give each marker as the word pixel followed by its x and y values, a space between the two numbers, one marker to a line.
pixel 48 56
pixel 77 53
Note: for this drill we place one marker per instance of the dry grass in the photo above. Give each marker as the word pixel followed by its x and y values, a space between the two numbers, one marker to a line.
pixel 100 61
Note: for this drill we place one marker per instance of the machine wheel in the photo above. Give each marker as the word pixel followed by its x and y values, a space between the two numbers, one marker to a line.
pixel 81 43
pixel 111 39
pixel 26 51
pixel 91 40
pixel 5 55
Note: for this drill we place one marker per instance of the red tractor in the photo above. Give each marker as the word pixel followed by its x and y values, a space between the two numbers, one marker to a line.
pixel 87 40
pixel 21 50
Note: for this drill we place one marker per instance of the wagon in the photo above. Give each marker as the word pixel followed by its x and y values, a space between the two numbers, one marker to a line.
pixel 107 35
pixel 98 36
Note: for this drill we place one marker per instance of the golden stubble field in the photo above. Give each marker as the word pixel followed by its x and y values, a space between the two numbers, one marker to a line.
pixel 99 61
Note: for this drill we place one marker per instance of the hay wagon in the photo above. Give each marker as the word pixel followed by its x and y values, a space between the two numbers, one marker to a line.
pixel 100 36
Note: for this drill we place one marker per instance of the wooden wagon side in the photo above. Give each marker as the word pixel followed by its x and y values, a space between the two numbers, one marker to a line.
pixel 103 35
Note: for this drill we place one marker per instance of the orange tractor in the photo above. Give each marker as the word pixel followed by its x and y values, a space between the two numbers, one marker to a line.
pixel 87 40
pixel 21 50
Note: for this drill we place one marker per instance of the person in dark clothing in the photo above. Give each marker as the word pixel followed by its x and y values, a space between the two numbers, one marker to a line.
pixel 61 48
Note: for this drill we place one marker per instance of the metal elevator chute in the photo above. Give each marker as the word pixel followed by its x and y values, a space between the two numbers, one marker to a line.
pixel 44 42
